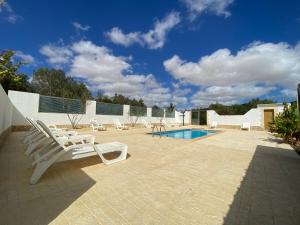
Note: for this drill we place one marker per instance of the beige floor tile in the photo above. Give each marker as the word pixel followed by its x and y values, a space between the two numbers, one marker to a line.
pixel 230 178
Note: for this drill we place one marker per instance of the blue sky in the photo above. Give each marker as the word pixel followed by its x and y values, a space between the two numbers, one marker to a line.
pixel 190 52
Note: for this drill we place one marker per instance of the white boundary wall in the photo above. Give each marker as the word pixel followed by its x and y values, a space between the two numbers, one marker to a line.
pixel 6 109
pixel 254 116
pixel 27 105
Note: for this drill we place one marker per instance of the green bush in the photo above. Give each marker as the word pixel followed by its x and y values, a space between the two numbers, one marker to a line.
pixel 286 124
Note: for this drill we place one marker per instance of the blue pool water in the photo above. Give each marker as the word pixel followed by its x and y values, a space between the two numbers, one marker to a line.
pixel 185 134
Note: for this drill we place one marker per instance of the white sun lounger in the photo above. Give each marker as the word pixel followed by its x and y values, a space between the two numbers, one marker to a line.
pixel 119 126
pixel 163 122
pixel 31 133
pixel 35 133
pixel 246 126
pixel 57 151
pixel 65 136
pixel 96 126
pixel 35 139
pixel 53 127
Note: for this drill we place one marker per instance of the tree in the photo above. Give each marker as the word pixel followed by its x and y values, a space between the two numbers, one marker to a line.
pixel 10 77
pixel 54 82
pixel 118 99
pixel 100 97
pixel 286 124
pixel 171 107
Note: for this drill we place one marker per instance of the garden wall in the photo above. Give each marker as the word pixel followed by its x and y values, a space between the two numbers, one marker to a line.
pixel 28 105
pixel 6 109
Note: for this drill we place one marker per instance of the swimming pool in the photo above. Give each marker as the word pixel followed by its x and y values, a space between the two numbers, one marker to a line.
pixel 185 134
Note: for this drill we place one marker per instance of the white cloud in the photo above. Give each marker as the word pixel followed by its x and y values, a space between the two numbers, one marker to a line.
pixel 269 63
pixel 259 64
pixel 24 57
pixel 228 95
pixel 217 7
pixel 179 95
pixel 8 12
pixel 289 93
pixel 56 54
pixel 153 39
pixel 109 73
pixel 117 36
pixel 79 27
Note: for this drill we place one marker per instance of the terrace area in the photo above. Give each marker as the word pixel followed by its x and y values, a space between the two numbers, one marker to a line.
pixel 234 177
pixel 150 112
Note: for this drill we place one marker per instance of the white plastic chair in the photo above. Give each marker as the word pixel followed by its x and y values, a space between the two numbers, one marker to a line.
pixel 214 124
pixel 57 151
pixel 96 126
pixel 119 126
pixel 163 122
pixel 146 124
pixel 246 126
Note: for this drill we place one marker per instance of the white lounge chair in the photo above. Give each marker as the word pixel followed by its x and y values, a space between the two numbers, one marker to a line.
pixel 163 122
pixel 53 127
pixel 214 124
pixel 31 133
pixel 40 137
pixel 96 126
pixel 119 126
pixel 66 137
pixel 35 133
pixel 57 151
pixel 71 136
pixel 246 126
pixel 35 138
pixel 146 124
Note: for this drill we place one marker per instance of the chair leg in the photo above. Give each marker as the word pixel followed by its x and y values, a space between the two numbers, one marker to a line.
pixel 27 136
pixel 30 137
pixel 34 145
pixel 39 170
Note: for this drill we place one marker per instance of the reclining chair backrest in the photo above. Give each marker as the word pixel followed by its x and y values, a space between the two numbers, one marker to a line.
pixel 48 132
pixel 36 126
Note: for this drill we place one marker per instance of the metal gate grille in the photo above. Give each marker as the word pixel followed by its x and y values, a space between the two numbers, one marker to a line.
pixel 61 105
pixel 170 114
pixel 109 109
pixel 157 112
pixel 137 111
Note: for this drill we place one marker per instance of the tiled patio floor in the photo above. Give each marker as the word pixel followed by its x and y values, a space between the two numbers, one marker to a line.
pixel 231 178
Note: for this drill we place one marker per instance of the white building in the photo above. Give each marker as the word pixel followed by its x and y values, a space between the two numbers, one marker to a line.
pixel 259 118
